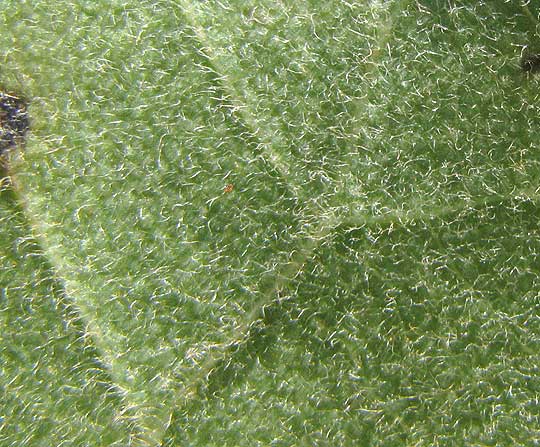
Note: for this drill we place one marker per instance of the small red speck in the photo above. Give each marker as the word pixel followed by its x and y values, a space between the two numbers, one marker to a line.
pixel 228 188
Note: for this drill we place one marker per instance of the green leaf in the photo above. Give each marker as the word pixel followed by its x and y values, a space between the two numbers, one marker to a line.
pixel 273 223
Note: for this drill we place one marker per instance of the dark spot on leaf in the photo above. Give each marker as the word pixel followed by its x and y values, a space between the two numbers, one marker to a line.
pixel 13 121
pixel 530 63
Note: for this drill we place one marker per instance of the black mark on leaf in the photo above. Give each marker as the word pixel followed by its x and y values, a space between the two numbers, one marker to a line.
pixel 530 63
pixel 13 121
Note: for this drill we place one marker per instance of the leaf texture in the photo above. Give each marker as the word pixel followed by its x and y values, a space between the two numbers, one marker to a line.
pixel 274 223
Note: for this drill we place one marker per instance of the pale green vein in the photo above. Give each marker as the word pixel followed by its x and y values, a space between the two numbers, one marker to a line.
pixel 326 220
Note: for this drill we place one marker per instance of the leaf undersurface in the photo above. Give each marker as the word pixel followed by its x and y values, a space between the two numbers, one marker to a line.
pixel 271 223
